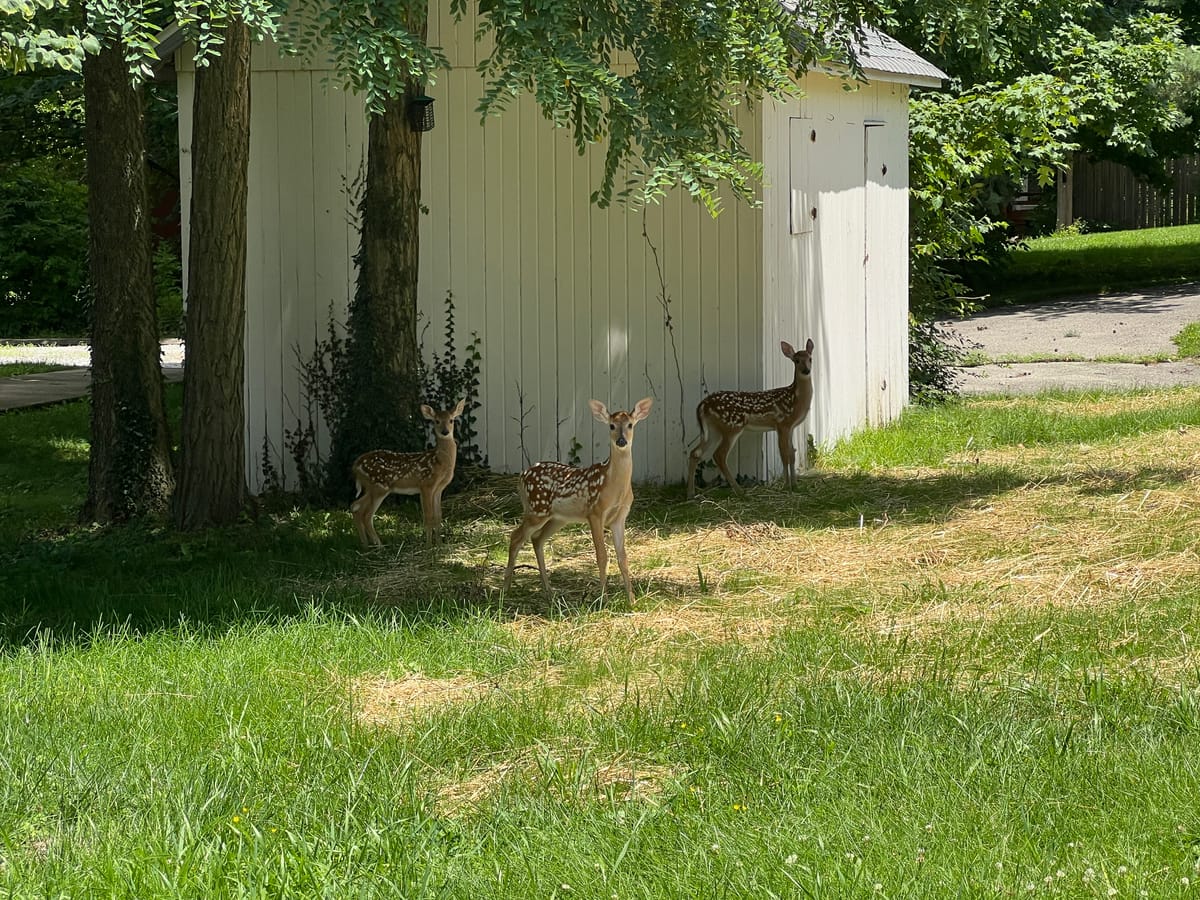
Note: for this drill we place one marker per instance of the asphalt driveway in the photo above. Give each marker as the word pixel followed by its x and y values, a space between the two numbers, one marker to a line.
pixel 1132 324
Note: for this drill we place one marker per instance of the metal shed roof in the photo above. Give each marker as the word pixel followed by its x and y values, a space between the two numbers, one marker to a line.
pixel 881 54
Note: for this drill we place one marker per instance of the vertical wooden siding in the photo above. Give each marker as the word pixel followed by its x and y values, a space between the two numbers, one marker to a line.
pixel 566 297
pixel 843 281
pixel 306 150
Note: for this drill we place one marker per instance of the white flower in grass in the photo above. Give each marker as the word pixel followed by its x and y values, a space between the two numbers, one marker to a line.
pixel 791 860
pixel 878 887
pixel 1049 879
pixel 1121 870
pixel 1112 892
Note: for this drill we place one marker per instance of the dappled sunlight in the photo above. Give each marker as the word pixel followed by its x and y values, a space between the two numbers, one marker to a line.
pixel 70 450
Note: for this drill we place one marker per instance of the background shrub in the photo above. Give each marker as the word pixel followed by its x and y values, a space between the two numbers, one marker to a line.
pixel 43 251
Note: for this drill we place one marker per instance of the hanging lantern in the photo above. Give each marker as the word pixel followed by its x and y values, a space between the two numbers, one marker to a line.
pixel 420 113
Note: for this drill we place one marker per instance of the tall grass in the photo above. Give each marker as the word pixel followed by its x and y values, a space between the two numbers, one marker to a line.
pixel 958 661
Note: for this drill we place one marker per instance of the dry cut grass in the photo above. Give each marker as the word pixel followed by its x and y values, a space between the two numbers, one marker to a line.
pixel 1081 527
pixel 1073 534
pixel 568 774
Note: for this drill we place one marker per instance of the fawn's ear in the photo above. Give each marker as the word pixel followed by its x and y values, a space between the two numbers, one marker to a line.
pixel 458 410
pixel 599 411
pixel 787 349
pixel 642 409
pixel 427 412
pixel 809 346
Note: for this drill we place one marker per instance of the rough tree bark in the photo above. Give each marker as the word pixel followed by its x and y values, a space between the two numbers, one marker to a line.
pixel 382 385
pixel 129 469
pixel 212 476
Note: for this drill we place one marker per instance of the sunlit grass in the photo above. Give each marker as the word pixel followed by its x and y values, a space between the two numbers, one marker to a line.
pixel 1072 264
pixel 1188 341
pixel 958 660
pixel 24 368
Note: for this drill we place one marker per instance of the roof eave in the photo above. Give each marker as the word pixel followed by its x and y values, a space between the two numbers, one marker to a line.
pixel 908 78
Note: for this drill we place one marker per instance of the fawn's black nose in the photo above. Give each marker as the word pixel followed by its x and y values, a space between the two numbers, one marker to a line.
pixel 621 441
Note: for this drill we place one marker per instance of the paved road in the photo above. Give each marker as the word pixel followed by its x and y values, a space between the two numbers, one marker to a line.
pixel 1135 323
pixel 68 383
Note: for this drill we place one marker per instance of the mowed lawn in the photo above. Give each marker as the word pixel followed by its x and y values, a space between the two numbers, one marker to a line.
pixel 959 660
pixel 1069 263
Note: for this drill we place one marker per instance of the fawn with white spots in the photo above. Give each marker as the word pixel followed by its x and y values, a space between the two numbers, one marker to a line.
pixel 723 417
pixel 554 494
pixel 383 472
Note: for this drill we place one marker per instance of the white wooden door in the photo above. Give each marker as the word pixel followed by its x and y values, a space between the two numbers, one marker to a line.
pixel 877 335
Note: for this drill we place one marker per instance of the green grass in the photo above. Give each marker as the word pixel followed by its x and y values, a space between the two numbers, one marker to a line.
pixel 1072 264
pixel 958 661
pixel 22 368
pixel 1188 341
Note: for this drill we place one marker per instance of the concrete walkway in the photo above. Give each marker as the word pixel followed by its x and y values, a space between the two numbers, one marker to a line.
pixel 24 391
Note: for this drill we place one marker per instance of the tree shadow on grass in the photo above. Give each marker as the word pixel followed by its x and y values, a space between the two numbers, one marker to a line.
pixel 78 583
pixel 824 500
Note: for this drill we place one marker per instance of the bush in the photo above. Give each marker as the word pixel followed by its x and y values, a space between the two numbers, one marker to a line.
pixel 168 289
pixel 43 251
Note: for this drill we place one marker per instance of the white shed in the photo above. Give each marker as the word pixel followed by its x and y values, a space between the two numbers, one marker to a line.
pixel 567 298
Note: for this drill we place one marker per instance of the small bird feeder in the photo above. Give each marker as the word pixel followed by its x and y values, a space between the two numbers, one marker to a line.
pixel 420 113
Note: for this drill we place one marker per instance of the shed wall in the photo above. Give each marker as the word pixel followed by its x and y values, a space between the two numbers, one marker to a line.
pixel 567 298
pixel 839 276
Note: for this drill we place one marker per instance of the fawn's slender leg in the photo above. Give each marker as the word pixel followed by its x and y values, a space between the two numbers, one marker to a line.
pixel 437 514
pixel 694 458
pixel 364 509
pixel 359 526
pixel 427 514
pixel 788 454
pixel 720 458
pixel 539 543
pixel 597 523
pixel 618 533
pixel 520 535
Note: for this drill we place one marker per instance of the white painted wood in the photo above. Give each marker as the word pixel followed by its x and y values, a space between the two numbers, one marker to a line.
pixel 264 347
pixel 185 91
pixel 564 295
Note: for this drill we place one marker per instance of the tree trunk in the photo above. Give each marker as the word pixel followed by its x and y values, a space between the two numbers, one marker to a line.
pixel 212 476
pixel 382 384
pixel 129 469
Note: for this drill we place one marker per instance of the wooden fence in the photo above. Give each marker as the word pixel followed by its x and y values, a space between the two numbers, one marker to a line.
pixel 1110 194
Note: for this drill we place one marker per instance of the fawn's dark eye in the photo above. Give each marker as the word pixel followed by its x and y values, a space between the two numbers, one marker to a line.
pixel 612 427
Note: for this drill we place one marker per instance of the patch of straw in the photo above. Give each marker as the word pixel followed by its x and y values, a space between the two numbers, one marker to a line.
pixel 570 775
pixel 388 701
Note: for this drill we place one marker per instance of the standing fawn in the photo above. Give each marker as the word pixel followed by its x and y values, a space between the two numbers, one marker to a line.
pixel 554 494
pixel 723 417
pixel 382 472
